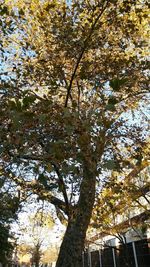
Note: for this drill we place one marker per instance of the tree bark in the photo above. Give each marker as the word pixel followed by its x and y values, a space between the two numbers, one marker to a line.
pixel 71 249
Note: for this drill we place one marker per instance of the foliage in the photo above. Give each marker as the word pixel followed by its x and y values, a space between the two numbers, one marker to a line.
pixel 50 254
pixel 79 71
pixel 24 253
pixel 119 203
pixel 8 212
pixel 33 234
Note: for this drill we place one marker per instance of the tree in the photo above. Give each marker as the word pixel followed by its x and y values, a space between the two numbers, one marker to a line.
pixel 122 206
pixel 50 254
pixel 9 206
pixel 33 235
pixel 24 253
pixel 82 70
pixel 121 200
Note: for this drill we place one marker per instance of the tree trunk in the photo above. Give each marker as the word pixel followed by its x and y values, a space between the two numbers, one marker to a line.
pixel 70 254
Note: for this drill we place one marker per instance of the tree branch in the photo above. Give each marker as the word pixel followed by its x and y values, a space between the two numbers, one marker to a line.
pixel 83 51
pixel 41 192
pixel 31 157
pixel 61 185
pixel 136 170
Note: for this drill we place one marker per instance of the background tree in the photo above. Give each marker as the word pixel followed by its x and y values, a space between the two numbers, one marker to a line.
pixel 33 235
pixel 82 71
pixel 9 206
pixel 123 196
pixel 125 205
pixel 50 254
pixel 24 253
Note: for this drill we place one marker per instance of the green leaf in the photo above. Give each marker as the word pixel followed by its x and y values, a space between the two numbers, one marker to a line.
pixel 3 11
pixel 111 103
pixel 28 100
pixel 110 164
pixel 117 83
pixel 41 177
pixel 1 149
pixel 42 118
pixel 112 100
pixel 18 105
pixel 12 104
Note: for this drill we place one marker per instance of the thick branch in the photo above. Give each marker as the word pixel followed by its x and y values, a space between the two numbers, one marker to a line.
pixel 61 185
pixel 83 51
pixel 31 157
pixel 43 194
pixel 137 170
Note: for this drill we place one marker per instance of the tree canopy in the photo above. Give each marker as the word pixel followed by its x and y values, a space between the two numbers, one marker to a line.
pixel 73 102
